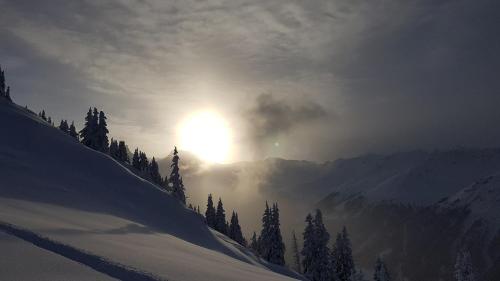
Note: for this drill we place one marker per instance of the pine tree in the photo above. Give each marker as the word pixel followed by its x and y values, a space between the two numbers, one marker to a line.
pixel 254 244
pixel 198 209
pixel 343 263
pixel 49 120
pixel 94 126
pixel 317 260
pixel 102 133
pixel 72 131
pixel 265 234
pixel 309 249
pixel 210 212
pixel 143 161
pixel 175 180
pixel 42 114
pixel 122 152
pixel 277 250
pixel 63 126
pixel 463 267
pixel 296 255
pixel 381 273
pixel 235 230
pixel 113 149
pixel 2 83
pixel 323 258
pixel 154 172
pixel 87 133
pixel 220 218
pixel 136 162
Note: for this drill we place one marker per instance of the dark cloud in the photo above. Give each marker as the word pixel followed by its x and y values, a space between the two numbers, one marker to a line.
pixel 270 117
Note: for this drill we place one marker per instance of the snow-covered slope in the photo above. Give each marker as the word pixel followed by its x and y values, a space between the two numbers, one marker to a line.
pixel 481 199
pixel 62 191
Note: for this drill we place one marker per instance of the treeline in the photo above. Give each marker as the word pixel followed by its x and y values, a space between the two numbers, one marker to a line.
pixel 95 135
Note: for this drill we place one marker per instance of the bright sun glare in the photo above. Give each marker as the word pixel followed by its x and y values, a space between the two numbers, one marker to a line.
pixel 207 135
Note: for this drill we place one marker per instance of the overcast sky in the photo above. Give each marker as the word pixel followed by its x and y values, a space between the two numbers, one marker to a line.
pixel 323 79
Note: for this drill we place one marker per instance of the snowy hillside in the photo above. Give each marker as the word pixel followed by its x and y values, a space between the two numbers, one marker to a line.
pixel 481 199
pixel 79 205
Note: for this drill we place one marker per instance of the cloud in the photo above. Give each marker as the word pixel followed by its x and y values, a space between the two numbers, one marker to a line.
pixel 401 75
pixel 270 117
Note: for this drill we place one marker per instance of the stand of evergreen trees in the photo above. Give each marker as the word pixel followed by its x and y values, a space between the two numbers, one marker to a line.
pixel 95 135
pixel 319 263
pixel 216 219
pixel 70 130
pixel 269 245
pixel 95 132
pixel 4 89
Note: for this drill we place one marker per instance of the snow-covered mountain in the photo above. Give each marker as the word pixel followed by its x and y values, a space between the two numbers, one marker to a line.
pixel 76 214
pixel 398 205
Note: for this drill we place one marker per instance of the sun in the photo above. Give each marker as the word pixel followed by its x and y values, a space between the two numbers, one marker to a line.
pixel 207 135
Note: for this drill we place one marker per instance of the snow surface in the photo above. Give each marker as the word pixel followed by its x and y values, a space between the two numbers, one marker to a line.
pixel 56 187
pixel 39 264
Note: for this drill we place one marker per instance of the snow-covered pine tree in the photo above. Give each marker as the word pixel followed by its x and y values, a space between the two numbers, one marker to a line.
pixel 265 234
pixel 2 83
pixel 87 133
pixel 463 267
pixel 102 133
pixel 122 152
pixel 113 149
pixel 277 250
pixel 143 161
pixel 63 126
pixel 322 255
pixel 235 230
pixel 94 125
pixel 136 161
pixel 342 260
pixel 220 218
pixel 295 252
pixel 154 172
pixel 381 273
pixel 254 244
pixel 4 89
pixel 210 212
pixel 309 249
pixel 175 180
pixel 72 131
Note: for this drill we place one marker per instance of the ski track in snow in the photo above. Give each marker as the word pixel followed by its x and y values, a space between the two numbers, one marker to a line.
pixel 95 262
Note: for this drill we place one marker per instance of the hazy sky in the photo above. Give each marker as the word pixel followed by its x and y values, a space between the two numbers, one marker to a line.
pixel 323 79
